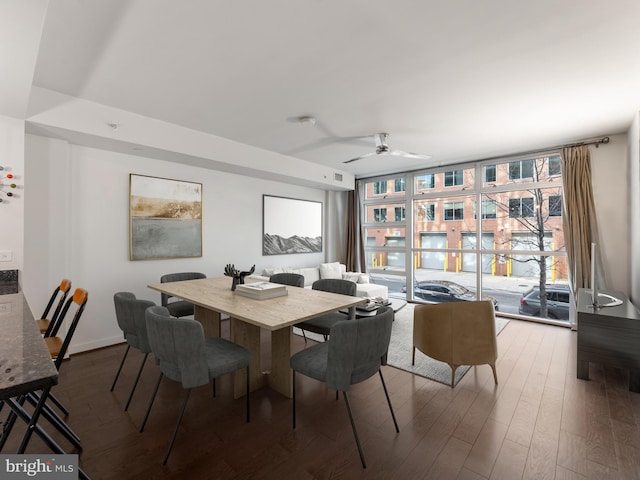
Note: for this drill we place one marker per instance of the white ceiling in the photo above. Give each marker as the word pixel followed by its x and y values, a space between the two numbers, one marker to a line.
pixel 458 80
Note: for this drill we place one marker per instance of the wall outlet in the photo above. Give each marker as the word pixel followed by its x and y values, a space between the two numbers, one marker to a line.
pixel 5 255
pixel 5 308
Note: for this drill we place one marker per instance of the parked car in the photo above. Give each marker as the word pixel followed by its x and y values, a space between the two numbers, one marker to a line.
pixel 440 291
pixel 557 302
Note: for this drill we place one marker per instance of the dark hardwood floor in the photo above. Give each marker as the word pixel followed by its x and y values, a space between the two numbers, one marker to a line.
pixel 539 422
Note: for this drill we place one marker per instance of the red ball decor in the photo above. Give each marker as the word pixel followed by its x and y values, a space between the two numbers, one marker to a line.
pixel 3 185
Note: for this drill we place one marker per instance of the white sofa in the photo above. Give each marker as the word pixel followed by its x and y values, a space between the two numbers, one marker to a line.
pixel 331 270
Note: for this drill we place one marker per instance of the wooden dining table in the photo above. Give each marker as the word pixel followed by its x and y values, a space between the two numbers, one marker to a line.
pixel 212 297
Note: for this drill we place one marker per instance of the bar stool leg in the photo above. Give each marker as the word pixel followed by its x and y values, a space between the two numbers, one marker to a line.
pixel 34 420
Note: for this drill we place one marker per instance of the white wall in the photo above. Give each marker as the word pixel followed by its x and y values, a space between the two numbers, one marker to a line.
pixel 12 208
pixel 78 227
pixel 611 191
pixel 634 209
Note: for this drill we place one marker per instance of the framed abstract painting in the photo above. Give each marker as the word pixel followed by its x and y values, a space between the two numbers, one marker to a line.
pixel 165 218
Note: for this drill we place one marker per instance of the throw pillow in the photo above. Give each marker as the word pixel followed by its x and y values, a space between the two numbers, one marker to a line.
pixel 330 270
pixel 351 276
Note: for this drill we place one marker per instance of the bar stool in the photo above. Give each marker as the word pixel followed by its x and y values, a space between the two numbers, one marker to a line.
pixel 44 322
pixel 57 347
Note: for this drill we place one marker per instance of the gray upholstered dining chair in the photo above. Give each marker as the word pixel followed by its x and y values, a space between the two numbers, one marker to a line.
pixel 354 352
pixel 185 356
pixel 322 324
pixel 132 322
pixel 292 279
pixel 178 308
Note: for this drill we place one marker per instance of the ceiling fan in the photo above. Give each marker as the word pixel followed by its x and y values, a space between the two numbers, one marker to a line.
pixel 382 149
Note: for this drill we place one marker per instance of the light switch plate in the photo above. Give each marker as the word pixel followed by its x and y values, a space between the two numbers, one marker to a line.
pixel 5 255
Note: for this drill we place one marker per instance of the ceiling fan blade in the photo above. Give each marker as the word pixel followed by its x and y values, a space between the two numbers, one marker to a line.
pixel 325 142
pixel 417 156
pixel 382 150
pixel 360 157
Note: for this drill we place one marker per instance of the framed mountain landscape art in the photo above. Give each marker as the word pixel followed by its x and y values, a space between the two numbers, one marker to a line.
pixel 291 226
pixel 165 218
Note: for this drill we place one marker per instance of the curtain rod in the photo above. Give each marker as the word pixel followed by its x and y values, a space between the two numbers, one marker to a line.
pixel 597 143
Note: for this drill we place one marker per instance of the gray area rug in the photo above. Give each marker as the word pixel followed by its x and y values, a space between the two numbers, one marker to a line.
pixel 401 345
pixel 400 349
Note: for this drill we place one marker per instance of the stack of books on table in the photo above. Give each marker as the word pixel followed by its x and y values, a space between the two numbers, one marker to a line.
pixel 261 290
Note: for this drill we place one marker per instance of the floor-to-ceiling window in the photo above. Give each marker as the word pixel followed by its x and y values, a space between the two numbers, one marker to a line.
pixel 488 229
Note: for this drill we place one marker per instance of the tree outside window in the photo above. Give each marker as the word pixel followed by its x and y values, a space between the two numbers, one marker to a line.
pixel 555 205
pixel 520 207
pixel 520 169
pixel 429 212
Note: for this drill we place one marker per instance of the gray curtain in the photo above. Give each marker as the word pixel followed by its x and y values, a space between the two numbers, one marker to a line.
pixel 579 215
pixel 354 258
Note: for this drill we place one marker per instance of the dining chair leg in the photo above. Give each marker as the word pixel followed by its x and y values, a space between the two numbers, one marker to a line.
pixel 133 389
pixel 353 427
pixel 120 368
pixel 293 398
pixel 453 374
pixel 153 397
pixel 495 375
pixel 175 430
pixel 386 392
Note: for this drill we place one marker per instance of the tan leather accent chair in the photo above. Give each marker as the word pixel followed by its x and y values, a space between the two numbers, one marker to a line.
pixel 457 333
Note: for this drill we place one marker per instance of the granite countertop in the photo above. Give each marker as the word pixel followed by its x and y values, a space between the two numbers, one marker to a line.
pixel 25 362
pixel 8 282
